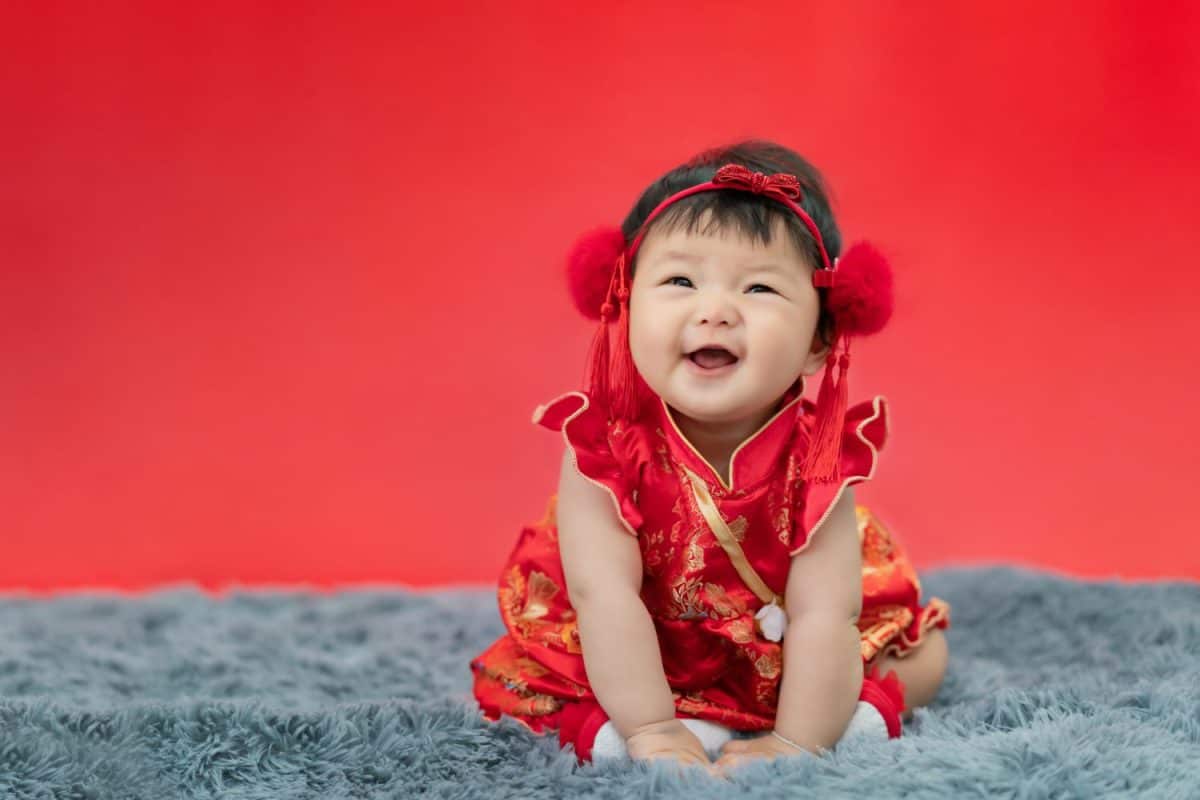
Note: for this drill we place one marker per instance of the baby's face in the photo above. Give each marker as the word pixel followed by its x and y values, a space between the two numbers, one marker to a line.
pixel 691 290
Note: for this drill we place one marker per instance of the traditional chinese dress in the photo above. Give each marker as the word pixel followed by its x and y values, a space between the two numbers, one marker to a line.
pixel 719 667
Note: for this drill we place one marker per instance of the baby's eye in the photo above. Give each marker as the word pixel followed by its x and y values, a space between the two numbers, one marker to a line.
pixel 763 285
pixel 676 278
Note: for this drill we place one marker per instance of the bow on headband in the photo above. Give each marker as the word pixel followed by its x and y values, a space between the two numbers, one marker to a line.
pixel 739 177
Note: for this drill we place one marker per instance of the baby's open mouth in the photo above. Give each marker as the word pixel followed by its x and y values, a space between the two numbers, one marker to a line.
pixel 712 357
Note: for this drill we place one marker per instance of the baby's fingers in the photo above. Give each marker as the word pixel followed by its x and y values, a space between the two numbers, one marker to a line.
pixel 682 756
pixel 688 759
pixel 727 760
pixel 732 761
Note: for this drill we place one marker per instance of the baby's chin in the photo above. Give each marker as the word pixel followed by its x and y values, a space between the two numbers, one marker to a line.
pixel 724 404
pixel 720 406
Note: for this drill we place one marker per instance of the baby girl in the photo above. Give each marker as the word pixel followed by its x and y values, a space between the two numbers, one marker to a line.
pixel 703 585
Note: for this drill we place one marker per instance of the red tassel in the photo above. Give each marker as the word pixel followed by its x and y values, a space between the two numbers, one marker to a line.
pixel 612 377
pixel 624 379
pixel 823 461
pixel 596 377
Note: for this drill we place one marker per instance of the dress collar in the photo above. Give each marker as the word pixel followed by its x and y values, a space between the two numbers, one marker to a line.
pixel 754 458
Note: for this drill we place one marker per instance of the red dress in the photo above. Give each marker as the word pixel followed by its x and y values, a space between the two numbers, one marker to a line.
pixel 718 666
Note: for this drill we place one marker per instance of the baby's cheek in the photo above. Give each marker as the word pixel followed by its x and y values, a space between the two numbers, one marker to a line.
pixel 653 348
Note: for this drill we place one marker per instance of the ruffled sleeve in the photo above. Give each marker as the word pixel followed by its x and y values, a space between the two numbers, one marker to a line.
pixel 863 436
pixel 597 447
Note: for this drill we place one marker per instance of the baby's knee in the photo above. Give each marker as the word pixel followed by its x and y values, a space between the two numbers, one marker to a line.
pixel 939 651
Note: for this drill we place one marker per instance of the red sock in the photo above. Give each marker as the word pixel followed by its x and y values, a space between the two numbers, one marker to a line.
pixel 578 724
pixel 887 695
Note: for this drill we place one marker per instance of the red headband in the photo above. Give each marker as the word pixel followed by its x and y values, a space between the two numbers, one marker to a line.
pixel 860 301
pixel 781 186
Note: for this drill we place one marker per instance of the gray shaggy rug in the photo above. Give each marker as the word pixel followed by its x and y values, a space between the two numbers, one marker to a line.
pixel 1056 688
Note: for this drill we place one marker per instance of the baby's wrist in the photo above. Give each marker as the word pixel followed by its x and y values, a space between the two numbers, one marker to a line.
pixel 790 745
pixel 659 726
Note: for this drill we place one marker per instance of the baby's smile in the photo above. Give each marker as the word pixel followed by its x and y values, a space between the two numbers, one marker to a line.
pixel 712 361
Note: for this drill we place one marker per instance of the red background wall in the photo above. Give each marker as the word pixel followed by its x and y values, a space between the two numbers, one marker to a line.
pixel 282 286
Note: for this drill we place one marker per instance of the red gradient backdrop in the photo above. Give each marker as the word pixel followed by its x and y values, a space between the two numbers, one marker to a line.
pixel 281 286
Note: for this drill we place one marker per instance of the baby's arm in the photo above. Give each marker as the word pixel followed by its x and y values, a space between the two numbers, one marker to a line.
pixel 602 564
pixel 822 664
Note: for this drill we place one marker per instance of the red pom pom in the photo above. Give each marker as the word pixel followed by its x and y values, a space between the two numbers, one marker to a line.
pixel 590 266
pixel 861 297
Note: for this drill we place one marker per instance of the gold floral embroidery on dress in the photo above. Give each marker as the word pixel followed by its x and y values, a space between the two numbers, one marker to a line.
pixel 723 604
pixel 884 560
pixel 876 545
pixel 677 527
pixel 779 511
pixel 769 663
pixel 509 673
pixel 510 678
pixel 664 455
pixel 783 502
pixel 686 507
pixel 877 579
pixel 540 591
pixel 766 693
pixel 694 557
pixel 685 499
pixel 569 634
pixel 741 630
pixel 652 552
pixel 525 604
pixel 537 705
pixel 737 526
pixel 533 669
pixel 685 600
pixel 512 590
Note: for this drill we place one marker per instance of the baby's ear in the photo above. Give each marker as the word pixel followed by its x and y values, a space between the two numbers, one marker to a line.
pixel 818 353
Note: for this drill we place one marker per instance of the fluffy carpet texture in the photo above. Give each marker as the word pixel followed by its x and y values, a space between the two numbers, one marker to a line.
pixel 1057 687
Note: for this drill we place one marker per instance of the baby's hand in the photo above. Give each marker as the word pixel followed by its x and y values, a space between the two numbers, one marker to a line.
pixel 667 739
pixel 738 751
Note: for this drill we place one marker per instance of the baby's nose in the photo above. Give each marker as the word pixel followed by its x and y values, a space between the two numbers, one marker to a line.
pixel 717 309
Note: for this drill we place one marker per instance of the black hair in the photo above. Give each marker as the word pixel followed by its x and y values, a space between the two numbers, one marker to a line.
pixel 748 214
